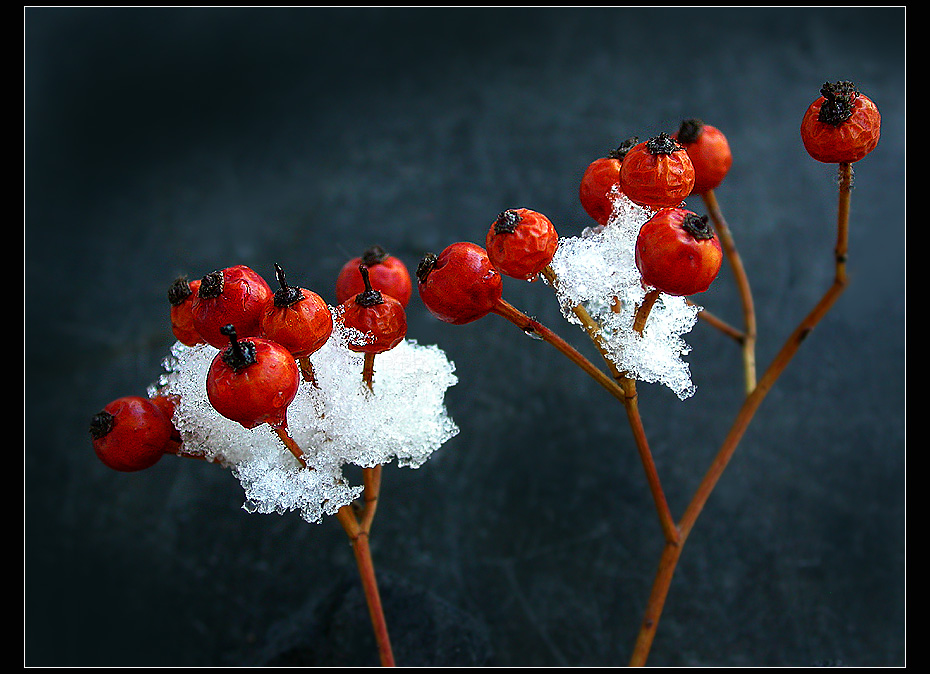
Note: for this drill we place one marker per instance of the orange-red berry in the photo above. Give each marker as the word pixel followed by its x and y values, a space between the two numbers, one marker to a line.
pixel 378 315
pixel 181 296
pixel 253 381
pixel 296 318
pixel 600 184
pixel 709 152
pixel 235 295
pixel 677 252
pixel 131 433
pixel 841 126
pixel 521 242
pixel 657 173
pixel 386 272
pixel 460 285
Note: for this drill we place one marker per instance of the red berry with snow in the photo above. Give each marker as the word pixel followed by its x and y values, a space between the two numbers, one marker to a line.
pixel 253 380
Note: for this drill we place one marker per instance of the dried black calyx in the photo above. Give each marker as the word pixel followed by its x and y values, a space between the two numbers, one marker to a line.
pixel 286 295
pixel 690 130
pixel 368 297
pixel 697 226
pixel 239 354
pixel 101 424
pixel 623 148
pixel 374 255
pixel 507 221
pixel 179 291
pixel 211 285
pixel 838 104
pixel 426 266
pixel 662 144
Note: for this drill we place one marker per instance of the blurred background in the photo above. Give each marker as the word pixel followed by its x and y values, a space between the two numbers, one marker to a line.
pixel 160 142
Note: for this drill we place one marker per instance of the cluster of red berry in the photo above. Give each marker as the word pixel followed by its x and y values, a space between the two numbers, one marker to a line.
pixel 265 339
pixel 677 251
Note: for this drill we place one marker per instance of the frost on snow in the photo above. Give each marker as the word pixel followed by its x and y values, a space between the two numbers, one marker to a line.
pixel 337 421
pixel 597 270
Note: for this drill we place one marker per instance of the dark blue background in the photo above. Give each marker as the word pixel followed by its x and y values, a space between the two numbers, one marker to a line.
pixel 166 141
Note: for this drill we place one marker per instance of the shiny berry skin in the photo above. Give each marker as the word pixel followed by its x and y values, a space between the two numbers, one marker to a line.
pixel 298 319
pixel 387 273
pixel 709 152
pixel 181 296
pixel 521 242
pixel 252 381
pixel 460 284
pixel 657 173
pixel 168 404
pixel 378 315
pixel 677 252
pixel 842 126
pixel 131 433
pixel 235 295
pixel 600 184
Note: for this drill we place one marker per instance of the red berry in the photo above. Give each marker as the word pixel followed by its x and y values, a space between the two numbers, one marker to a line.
pixel 600 184
pixel 677 252
pixel 521 242
pixel 235 295
pixel 387 273
pixel 842 126
pixel 657 173
pixel 130 433
pixel 709 152
pixel 460 284
pixel 253 381
pixel 375 314
pixel 168 404
pixel 298 319
pixel 181 296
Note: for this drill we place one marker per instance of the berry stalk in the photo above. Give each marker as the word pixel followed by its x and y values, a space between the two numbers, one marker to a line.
pixel 748 337
pixel 358 537
pixel 531 326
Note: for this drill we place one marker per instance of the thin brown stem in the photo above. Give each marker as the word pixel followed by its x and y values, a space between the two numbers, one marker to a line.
pixel 746 413
pixel 720 324
pixel 669 529
pixel 742 282
pixel 532 326
pixel 306 370
pixel 291 444
pixel 643 311
pixel 368 371
pixel 621 387
pixel 371 478
pixel 358 537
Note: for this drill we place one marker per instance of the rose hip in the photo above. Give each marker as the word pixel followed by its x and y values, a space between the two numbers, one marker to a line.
pixel 521 242
pixel 381 317
pixel 235 295
pixel 677 252
pixel 842 126
pixel 460 284
pixel 657 173
pixel 600 184
pixel 253 381
pixel 709 152
pixel 387 273
pixel 181 296
pixel 298 319
pixel 131 433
